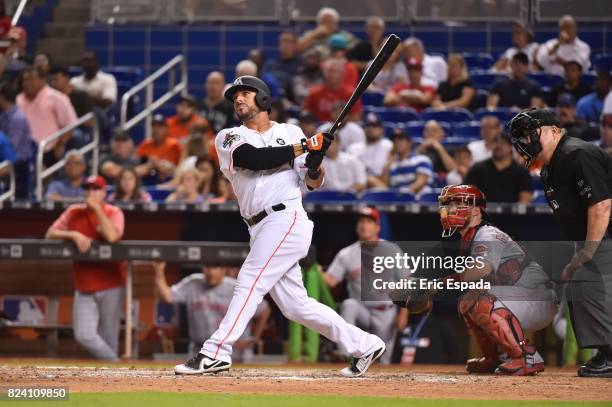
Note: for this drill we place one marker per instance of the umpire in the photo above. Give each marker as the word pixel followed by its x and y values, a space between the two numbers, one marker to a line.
pixel 577 179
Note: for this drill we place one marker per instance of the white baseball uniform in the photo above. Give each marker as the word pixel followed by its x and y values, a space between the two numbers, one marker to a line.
pixel 277 243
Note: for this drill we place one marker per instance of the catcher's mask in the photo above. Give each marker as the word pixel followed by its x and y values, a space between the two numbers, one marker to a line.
pixel 525 129
pixel 456 203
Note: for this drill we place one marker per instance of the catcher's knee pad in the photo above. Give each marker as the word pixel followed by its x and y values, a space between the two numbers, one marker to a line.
pixel 500 325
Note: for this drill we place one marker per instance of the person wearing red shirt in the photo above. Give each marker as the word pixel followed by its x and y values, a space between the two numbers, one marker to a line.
pixel 161 152
pixel 338 46
pixel 182 123
pixel 98 285
pixel 322 98
pixel 417 94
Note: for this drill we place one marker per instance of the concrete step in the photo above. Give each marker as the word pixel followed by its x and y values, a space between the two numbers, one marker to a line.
pixel 74 4
pixel 64 30
pixel 70 15
pixel 64 51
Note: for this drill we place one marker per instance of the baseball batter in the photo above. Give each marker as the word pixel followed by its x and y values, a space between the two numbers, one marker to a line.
pixel 266 161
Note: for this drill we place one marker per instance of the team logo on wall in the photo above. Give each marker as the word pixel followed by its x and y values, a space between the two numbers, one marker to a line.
pixel 229 139
pixel 280 141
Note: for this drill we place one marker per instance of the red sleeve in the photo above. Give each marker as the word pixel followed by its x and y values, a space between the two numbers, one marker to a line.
pixel 63 222
pixel 116 217
pixel 309 103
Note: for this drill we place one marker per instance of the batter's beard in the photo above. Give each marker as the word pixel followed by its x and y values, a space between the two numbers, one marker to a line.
pixel 249 115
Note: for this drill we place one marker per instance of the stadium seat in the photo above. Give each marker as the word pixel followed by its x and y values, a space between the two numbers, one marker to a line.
pixel 484 80
pixel 395 114
pixel 602 61
pixel 387 196
pixel 546 80
pixel 447 116
pixel 539 198
pixel 159 194
pixel 504 114
pixel 588 78
pixel 330 196
pixel 390 126
pixel 429 197
pixel 468 130
pixel 454 142
pixel 372 98
pixel 478 60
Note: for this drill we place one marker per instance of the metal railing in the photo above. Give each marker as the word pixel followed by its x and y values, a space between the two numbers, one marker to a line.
pixel 10 193
pixel 147 84
pixel 18 12
pixel 43 173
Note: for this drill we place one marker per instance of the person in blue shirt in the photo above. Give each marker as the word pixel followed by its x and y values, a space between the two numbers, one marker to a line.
pixel 590 106
pixel 69 189
pixel 6 153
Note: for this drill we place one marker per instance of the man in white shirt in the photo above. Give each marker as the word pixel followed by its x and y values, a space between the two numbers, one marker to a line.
pixel 554 53
pixel 102 87
pixel 349 132
pixel 490 127
pixel 375 151
pixel 435 68
pixel 343 171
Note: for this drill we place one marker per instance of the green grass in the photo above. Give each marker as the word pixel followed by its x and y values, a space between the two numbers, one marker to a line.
pixel 157 399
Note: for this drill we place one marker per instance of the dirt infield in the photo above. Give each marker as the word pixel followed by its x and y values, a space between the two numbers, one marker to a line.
pixel 416 382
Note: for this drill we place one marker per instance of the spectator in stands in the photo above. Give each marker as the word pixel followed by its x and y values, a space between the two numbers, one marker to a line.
pixel 393 72
pixel 605 140
pixel 322 98
pixel 6 153
pixel 343 171
pixel 249 67
pixel 590 107
pixel 101 86
pixel 182 123
pixel 463 158
pixel 407 171
pixel 14 124
pixel 307 122
pixel 197 146
pixel 286 66
pixel 432 147
pixel 417 93
pixel 327 25
pixel 210 172
pixel 554 53
pixel 434 66
pixel 375 151
pixel 161 152
pixel 188 184
pixel 309 75
pixel 15 58
pixel 121 156
pixel 47 111
pixel 518 90
pixel 81 101
pixel 98 298
pixel 215 108
pixel 226 192
pixel 69 189
pixel 278 113
pixel 128 188
pixel 338 47
pixel 522 39
pixel 206 295
pixel 458 90
pixel 5 21
pixel 348 133
pixel 42 62
pixel 490 128
pixel 500 177
pixel 576 127
pixel 365 51
pixel 573 84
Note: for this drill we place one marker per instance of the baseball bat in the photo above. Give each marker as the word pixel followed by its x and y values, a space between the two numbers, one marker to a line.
pixel 367 78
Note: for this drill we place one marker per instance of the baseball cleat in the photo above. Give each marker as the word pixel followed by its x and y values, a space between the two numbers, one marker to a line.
pixel 598 366
pixel 482 365
pixel 200 364
pixel 360 365
pixel 528 365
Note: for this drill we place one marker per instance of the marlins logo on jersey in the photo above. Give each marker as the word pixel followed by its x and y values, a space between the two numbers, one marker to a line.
pixel 230 138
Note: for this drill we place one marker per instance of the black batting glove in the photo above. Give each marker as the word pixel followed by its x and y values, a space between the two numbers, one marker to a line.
pixel 313 163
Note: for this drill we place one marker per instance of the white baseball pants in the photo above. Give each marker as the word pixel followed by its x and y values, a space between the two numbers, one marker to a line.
pixel 277 243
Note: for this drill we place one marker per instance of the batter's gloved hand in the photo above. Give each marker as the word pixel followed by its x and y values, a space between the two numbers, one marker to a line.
pixel 313 163
pixel 416 300
pixel 319 142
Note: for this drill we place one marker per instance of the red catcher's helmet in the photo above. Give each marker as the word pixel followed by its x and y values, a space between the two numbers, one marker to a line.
pixel 464 197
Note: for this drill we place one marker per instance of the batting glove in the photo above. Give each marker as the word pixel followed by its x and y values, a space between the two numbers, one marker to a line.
pixel 318 142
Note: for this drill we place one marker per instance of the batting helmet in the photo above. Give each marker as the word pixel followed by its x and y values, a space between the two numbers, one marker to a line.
pixel 246 82
pixel 464 197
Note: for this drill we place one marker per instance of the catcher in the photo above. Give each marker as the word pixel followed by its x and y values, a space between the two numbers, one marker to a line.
pixel 521 297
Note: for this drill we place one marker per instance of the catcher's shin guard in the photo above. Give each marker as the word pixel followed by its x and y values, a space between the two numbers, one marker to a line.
pixel 504 330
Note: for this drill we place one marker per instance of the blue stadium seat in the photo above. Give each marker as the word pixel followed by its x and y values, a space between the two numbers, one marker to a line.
pixel 159 194
pixel 546 80
pixel 588 78
pixel 330 196
pixel 447 116
pixel 478 60
pixel 468 130
pixel 415 128
pixel 372 98
pixel 454 142
pixel 603 62
pixel 395 114
pixel 484 80
pixel 387 196
pixel 539 198
pixel 502 113
pixel 429 197
pixel 390 126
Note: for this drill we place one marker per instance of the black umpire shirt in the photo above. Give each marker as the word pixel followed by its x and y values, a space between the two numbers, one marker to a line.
pixel 579 175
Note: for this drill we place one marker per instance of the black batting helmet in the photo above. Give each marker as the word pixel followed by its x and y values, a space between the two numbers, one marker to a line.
pixel 262 97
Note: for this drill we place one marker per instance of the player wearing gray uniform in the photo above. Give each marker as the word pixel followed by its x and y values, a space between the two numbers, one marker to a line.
pixel 207 297
pixel 376 314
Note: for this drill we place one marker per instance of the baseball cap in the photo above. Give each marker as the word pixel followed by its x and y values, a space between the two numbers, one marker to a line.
pixel 545 117
pixel 159 119
pixel 307 117
pixel 190 99
pixel 120 135
pixel 371 213
pixel 566 100
pixel 413 63
pixel 94 181
pixel 400 133
pixel 373 120
pixel 337 41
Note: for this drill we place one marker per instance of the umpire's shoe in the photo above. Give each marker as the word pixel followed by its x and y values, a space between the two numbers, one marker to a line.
pixel 360 365
pixel 201 364
pixel 598 366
